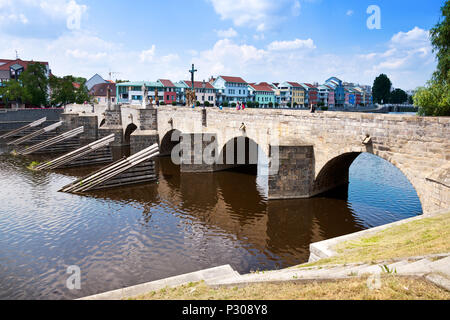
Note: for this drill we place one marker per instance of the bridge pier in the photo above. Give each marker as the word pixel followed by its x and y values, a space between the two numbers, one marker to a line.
pixel 295 175
pixel 198 152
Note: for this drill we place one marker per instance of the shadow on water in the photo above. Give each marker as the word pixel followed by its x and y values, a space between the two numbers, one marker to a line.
pixel 184 222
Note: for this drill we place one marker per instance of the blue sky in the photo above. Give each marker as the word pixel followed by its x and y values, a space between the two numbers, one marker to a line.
pixel 260 40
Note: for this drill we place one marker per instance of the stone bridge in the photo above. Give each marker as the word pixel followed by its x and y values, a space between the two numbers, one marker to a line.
pixel 309 153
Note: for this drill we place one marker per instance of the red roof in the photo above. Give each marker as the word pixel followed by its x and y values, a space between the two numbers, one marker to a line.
pixel 167 83
pixel 311 86
pixel 100 89
pixel 8 63
pixel 295 84
pixel 261 87
pixel 76 85
pixel 198 84
pixel 233 79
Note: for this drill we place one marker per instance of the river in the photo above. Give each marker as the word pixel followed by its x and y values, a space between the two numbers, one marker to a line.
pixel 183 223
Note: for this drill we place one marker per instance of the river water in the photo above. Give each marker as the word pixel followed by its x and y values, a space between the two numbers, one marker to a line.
pixel 183 223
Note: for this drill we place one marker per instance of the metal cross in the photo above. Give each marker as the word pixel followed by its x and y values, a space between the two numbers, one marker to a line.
pixel 192 71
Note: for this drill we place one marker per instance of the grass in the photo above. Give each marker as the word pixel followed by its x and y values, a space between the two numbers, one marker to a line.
pixel 33 165
pixel 392 288
pixel 415 238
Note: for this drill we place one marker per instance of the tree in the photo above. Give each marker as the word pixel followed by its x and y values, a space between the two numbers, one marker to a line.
pixel 440 39
pixel 434 98
pixel 35 83
pixel 12 90
pixel 381 90
pixel 398 96
pixel 67 90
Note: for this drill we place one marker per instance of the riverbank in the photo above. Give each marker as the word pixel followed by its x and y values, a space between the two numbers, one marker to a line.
pixel 423 236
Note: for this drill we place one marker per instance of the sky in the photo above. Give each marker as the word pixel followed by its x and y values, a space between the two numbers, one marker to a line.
pixel 258 40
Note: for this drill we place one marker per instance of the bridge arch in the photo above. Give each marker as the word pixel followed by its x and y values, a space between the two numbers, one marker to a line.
pixel 128 131
pixel 335 172
pixel 170 139
pixel 241 151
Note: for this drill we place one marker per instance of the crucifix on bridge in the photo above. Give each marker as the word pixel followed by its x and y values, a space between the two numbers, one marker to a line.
pixel 192 71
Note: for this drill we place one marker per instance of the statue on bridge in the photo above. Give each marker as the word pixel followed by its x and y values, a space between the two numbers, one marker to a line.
pixel 190 97
pixel 144 96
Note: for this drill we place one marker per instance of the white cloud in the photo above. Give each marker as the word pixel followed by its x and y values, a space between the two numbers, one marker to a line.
pixel 259 14
pixel 229 33
pixel 349 13
pixel 291 45
pixel 69 11
pixel 148 55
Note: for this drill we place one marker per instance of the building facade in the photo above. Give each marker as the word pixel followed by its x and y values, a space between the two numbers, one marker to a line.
pixel 262 93
pixel 231 89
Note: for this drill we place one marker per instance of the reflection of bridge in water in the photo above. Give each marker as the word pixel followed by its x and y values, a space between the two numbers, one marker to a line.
pixel 281 230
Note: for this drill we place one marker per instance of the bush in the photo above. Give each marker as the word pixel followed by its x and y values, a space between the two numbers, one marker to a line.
pixel 233 105
pixel 270 104
pixel 277 104
pixel 206 103
pixel 174 103
pixel 295 104
pixel 197 103
pixel 225 104
pixel 256 104
pixel 323 108
pixel 162 103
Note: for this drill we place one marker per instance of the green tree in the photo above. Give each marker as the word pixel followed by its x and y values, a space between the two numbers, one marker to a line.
pixel 13 91
pixel 398 96
pixel 381 90
pixel 35 83
pixel 67 90
pixel 440 39
pixel 434 98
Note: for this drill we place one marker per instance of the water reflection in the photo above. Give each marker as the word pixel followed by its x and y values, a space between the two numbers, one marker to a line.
pixel 183 223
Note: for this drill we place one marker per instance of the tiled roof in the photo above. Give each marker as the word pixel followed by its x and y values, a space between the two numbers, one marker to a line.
pixel 8 63
pixel 198 84
pixel 294 84
pixel 99 90
pixel 167 83
pixel 233 79
pixel 261 87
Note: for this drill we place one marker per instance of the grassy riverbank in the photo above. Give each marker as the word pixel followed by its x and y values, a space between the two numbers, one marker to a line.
pixel 415 238
pixel 392 288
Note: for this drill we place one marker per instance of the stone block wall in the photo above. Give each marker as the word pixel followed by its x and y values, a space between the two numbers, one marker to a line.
pixel 295 176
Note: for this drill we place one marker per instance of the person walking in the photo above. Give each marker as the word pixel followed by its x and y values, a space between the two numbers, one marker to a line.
pixel 243 105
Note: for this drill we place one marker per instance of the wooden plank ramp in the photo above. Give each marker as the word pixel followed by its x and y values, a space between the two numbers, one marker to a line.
pixel 16 132
pixel 55 144
pixel 137 168
pixel 35 134
pixel 83 155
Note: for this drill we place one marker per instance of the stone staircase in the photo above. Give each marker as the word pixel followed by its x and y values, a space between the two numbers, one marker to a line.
pixel 435 268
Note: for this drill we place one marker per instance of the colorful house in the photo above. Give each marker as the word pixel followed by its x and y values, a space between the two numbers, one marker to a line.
pixel 231 89
pixel 312 94
pixel 339 91
pixel 291 93
pixel 170 94
pixel 262 93
pixel 100 92
pixel 131 92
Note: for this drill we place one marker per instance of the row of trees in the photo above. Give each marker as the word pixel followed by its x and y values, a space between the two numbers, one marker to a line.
pixel 382 91
pixel 34 88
